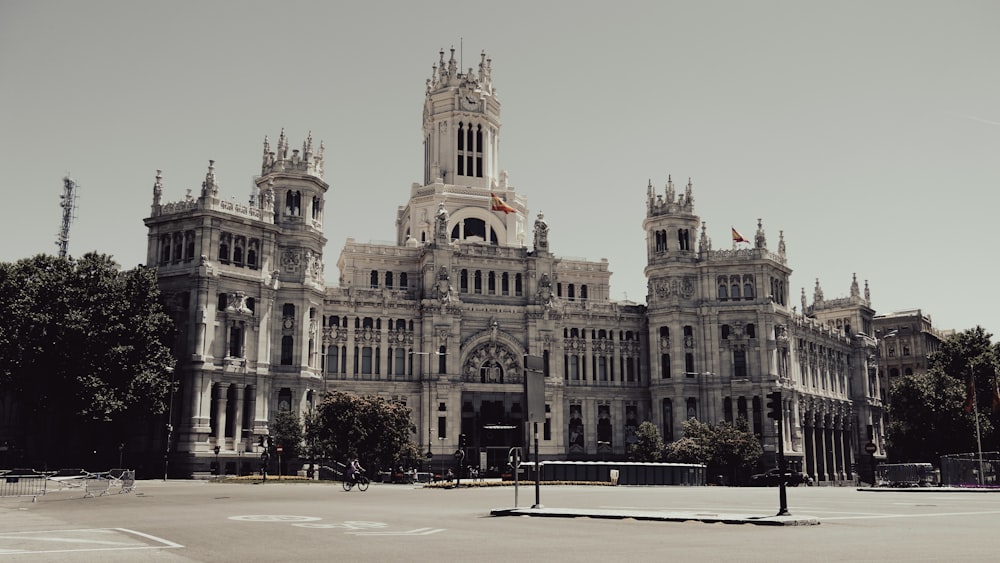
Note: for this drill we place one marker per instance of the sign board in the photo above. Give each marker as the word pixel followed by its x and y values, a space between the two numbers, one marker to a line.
pixel 870 448
pixel 534 395
pixel 279 449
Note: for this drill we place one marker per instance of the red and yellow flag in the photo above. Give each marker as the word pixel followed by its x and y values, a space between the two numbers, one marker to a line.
pixel 737 237
pixel 497 204
pixel 970 396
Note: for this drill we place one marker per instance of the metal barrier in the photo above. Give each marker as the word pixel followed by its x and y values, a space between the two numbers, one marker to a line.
pixel 127 482
pixel 971 470
pixel 123 478
pixel 96 485
pixel 23 486
pixel 905 475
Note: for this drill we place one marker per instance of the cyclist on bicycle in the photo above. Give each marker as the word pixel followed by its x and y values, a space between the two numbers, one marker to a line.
pixel 354 470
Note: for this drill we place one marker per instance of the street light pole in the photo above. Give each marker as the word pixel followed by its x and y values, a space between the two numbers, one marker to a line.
pixel 170 424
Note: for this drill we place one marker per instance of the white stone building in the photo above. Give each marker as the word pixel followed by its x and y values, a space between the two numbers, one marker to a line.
pixel 442 318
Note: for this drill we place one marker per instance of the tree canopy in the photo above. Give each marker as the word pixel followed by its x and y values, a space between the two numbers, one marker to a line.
pixel 648 445
pixel 727 448
pixel 934 413
pixel 374 429
pixel 84 355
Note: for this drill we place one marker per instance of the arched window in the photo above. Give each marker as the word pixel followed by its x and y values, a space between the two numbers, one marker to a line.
pixel 373 282
pixel 388 280
pixel 403 282
pixel 692 408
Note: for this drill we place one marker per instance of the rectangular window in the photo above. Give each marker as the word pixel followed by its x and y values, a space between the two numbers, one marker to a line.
pixel 739 363
pixel 442 427
pixel 366 360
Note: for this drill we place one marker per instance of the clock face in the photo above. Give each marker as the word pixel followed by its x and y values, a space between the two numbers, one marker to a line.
pixel 470 102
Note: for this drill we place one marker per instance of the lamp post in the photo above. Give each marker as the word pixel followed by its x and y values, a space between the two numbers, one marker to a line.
pixel 218 468
pixel 170 424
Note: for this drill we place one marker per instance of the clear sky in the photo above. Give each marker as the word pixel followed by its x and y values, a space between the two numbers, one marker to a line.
pixel 867 131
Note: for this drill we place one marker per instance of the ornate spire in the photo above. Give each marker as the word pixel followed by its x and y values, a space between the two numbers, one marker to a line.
pixel 704 244
pixel 760 241
pixel 868 294
pixel 209 188
pixel 781 243
pixel 804 299
pixel 817 294
pixel 855 291
pixel 300 161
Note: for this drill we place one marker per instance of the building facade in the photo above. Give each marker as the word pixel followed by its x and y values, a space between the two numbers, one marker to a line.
pixel 442 318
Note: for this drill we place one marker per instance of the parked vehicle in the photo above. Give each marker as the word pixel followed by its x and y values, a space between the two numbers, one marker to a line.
pixel 773 478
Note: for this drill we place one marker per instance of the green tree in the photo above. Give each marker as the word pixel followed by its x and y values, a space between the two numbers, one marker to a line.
pixel 287 432
pixel 687 450
pixel 933 413
pixel 374 429
pixel 726 448
pixel 648 445
pixel 84 357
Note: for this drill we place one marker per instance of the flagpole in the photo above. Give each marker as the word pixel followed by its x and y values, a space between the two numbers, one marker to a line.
pixel 975 414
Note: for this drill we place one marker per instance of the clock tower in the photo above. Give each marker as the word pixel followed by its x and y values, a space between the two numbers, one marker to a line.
pixel 461 125
pixel 462 175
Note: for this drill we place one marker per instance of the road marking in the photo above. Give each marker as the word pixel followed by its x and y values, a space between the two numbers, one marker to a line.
pixel 274 518
pixel 416 532
pixel 929 514
pixel 79 538
pixel 349 525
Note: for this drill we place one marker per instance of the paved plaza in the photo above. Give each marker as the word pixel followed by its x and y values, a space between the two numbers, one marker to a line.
pixel 213 522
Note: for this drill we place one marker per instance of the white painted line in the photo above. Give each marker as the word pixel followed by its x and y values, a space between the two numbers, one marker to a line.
pixel 928 515
pixel 415 532
pixel 274 518
pixel 61 537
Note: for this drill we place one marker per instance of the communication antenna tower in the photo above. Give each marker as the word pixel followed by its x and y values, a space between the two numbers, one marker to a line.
pixel 68 204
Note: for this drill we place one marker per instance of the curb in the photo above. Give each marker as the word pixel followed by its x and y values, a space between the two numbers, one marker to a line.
pixel 661 516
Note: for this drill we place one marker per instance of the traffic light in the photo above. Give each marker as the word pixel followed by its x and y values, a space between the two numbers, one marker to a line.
pixel 774 405
pixel 461 441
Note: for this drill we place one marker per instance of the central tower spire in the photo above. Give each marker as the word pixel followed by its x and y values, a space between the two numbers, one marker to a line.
pixel 462 175
pixel 461 125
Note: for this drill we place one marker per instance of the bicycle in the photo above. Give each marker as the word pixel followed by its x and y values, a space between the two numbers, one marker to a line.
pixel 360 479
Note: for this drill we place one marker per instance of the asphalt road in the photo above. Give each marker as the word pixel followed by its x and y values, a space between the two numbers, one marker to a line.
pixel 209 522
